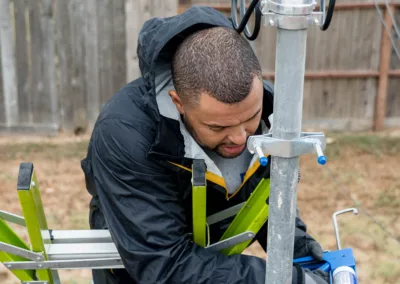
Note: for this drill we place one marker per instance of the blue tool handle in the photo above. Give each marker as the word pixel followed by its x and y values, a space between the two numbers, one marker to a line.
pixel 262 159
pixel 321 157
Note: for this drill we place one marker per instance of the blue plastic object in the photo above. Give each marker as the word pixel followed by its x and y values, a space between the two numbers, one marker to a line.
pixel 330 261
pixel 322 160
pixel 263 161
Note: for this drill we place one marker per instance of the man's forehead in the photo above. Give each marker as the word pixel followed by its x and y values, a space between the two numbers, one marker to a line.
pixel 212 111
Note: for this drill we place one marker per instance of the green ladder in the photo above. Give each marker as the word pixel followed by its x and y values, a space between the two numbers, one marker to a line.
pixel 250 215
pixel 12 248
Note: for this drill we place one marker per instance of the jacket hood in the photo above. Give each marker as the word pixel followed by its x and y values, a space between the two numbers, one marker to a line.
pixel 159 38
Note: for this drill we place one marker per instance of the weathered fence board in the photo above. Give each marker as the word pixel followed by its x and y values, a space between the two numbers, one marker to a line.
pixel 43 88
pixel 393 96
pixel 93 101
pixel 118 46
pixel 38 99
pixel 77 40
pixel 2 108
pixel 23 78
pixel 64 52
pixel 105 48
pixel 323 101
pixel 49 69
pixel 10 94
pixel 139 11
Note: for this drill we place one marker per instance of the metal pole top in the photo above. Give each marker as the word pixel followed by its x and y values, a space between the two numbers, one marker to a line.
pixel 290 7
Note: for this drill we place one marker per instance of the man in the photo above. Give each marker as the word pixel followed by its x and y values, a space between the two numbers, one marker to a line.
pixel 201 95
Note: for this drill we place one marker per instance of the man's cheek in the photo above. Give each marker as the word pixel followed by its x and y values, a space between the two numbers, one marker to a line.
pixel 211 141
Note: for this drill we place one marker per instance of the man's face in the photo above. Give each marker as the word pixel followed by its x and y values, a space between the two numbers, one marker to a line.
pixel 223 128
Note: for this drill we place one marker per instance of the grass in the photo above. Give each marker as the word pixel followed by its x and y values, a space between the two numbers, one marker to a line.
pixel 389 197
pixel 46 150
pixel 367 144
pixel 387 270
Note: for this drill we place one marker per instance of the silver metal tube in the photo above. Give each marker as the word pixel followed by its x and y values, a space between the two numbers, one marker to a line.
pixel 12 218
pixel 288 103
pixel 97 263
pixel 81 236
pixel 259 152
pixel 11 249
pixel 335 224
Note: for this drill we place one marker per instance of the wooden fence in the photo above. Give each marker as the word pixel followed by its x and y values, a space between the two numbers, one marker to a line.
pixel 63 59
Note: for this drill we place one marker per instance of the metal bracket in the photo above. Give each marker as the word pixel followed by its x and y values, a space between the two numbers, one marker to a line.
pixel 302 7
pixel 307 143
pixel 229 242
pixel 293 22
pixel 20 252
pixel 35 282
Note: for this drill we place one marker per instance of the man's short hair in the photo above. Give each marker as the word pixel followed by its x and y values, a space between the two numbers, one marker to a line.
pixel 217 61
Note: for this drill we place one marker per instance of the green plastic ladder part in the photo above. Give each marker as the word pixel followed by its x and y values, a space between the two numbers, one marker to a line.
pixel 199 197
pixel 8 236
pixel 32 208
pixel 251 217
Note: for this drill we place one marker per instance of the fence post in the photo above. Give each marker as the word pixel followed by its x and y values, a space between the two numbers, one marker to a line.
pixel 8 65
pixel 384 65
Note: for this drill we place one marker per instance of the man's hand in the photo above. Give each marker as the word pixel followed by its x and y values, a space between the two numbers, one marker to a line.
pixel 255 249
pixel 305 245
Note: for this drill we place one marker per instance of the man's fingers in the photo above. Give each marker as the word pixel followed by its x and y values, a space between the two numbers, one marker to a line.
pixel 316 251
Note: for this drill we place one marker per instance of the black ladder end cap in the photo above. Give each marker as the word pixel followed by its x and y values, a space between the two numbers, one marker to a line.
pixel 25 176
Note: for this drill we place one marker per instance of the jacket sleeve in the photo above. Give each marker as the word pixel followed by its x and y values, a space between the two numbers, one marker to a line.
pixel 142 207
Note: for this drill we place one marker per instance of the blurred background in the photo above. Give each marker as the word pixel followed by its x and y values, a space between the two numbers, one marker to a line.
pixel 61 60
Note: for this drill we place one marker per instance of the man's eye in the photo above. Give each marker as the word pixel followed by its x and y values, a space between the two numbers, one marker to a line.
pixel 216 128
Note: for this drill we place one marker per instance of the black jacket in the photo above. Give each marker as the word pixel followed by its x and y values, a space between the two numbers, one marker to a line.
pixel 137 170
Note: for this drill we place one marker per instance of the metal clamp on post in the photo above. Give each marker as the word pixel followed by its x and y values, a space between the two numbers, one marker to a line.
pixel 287 15
pixel 291 16
pixel 312 142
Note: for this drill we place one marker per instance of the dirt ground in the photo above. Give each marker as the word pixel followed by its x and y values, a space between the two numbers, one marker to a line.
pixel 365 167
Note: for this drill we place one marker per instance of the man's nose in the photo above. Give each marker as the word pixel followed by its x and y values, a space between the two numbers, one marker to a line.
pixel 238 137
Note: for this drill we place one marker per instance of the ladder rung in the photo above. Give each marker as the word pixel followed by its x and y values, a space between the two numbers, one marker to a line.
pixel 80 236
pixel 81 251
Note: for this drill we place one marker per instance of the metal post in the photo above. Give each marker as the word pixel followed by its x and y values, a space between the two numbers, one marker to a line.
pixel 290 68
pixel 291 18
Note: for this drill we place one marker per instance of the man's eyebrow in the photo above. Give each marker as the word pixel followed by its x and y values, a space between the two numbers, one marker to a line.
pixel 225 126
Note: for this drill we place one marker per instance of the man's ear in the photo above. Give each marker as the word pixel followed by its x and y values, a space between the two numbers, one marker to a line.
pixel 177 101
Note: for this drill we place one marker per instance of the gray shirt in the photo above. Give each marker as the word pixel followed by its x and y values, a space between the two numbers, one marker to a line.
pixel 233 169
